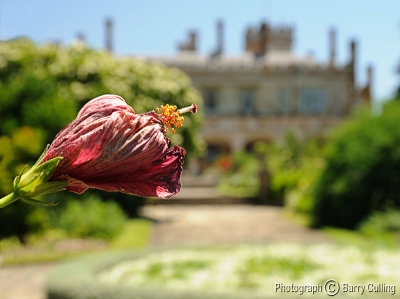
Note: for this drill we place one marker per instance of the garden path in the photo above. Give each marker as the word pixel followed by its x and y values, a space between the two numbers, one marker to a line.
pixel 24 282
pixel 223 224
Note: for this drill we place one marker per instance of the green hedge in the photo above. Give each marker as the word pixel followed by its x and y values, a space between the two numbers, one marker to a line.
pixel 86 219
pixel 362 172
pixel 77 280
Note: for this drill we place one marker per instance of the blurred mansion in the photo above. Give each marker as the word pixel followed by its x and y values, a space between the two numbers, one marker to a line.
pixel 268 90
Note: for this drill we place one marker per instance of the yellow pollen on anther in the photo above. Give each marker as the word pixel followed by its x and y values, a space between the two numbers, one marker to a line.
pixel 170 117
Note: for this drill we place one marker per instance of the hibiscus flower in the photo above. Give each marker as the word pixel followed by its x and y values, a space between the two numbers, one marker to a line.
pixel 110 147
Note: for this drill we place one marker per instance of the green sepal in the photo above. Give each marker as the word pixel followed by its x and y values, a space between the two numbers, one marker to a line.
pixel 42 156
pixel 38 174
pixel 38 202
pixel 47 188
pixel 35 182
pixel 17 179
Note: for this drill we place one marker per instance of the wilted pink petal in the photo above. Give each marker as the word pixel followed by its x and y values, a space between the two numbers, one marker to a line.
pixel 110 147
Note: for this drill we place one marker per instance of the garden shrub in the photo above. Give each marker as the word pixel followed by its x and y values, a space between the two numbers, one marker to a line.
pixel 362 172
pixel 292 166
pixel 44 86
pixel 91 218
pixel 381 222
pixel 241 178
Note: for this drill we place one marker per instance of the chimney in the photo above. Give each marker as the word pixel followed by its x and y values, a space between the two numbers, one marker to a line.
pixel 369 75
pixel 369 80
pixel 192 46
pixel 263 39
pixel 366 92
pixel 109 34
pixel 247 40
pixel 353 49
pixel 332 47
pixel 220 37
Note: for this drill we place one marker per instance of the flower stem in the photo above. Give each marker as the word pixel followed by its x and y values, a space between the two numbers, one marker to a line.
pixel 6 200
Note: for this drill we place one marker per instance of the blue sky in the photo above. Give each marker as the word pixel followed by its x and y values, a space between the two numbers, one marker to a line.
pixel 155 27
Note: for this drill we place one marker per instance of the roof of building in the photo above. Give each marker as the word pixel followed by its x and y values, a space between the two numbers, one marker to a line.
pixel 247 60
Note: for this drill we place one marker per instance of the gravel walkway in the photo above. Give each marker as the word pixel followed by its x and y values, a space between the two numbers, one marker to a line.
pixel 224 224
pixel 23 282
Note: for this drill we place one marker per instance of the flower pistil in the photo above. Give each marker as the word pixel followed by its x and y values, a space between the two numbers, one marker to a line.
pixel 171 117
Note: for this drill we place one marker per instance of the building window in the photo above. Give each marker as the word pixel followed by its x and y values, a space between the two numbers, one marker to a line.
pixel 248 101
pixel 210 100
pixel 283 101
pixel 312 101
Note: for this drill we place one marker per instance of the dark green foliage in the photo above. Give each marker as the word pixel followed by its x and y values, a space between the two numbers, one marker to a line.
pixel 362 172
pixel 12 221
pixel 22 147
pixel 91 218
pixel 129 203
pixel 43 87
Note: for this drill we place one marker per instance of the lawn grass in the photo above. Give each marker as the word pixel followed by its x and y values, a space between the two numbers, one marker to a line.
pixel 41 257
pixel 135 235
pixel 350 237
pixel 298 218
pixel 359 239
